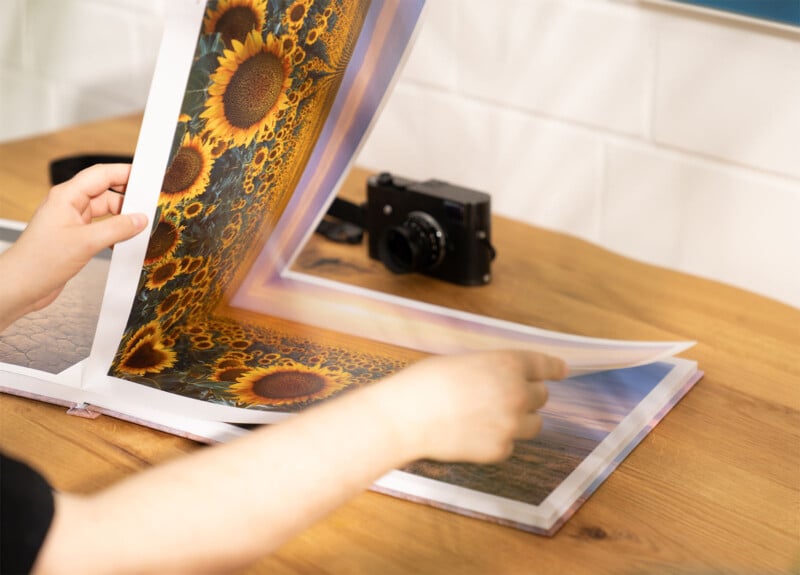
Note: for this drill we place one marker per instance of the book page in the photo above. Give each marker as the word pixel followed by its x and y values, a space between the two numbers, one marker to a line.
pixel 178 334
pixel 49 344
pixel 590 424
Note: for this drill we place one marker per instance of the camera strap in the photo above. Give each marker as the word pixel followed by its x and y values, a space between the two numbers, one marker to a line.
pixel 63 169
pixel 343 222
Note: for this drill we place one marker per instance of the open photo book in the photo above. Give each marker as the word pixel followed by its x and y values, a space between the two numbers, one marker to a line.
pixel 203 327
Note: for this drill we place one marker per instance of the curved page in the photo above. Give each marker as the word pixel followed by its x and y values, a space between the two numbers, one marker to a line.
pixel 248 131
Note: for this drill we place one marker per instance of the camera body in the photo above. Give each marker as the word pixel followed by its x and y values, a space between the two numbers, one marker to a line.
pixel 430 227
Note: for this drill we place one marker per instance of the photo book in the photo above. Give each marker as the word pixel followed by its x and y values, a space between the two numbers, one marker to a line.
pixel 203 327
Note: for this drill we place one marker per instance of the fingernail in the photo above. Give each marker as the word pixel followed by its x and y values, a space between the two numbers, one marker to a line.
pixel 139 220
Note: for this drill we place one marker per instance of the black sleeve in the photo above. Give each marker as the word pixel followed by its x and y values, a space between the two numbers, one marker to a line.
pixel 26 510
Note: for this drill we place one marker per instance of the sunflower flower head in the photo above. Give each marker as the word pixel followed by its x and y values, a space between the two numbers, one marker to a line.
pixel 288 383
pixel 188 173
pixel 248 89
pixel 147 351
pixel 235 19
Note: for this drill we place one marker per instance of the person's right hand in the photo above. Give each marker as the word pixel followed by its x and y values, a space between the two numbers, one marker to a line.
pixel 469 407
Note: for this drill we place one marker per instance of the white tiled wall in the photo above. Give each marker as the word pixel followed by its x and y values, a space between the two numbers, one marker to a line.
pixel 68 61
pixel 663 134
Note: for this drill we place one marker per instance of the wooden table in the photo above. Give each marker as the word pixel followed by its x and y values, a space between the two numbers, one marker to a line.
pixel 714 488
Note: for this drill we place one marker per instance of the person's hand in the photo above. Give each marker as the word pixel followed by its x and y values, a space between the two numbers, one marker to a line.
pixel 470 407
pixel 62 237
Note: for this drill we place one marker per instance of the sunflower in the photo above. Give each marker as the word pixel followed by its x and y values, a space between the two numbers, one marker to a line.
pixel 259 158
pixel 298 56
pixel 188 173
pixel 288 43
pixel 248 88
pixel 160 275
pixel 163 241
pixel 189 264
pixel 192 209
pixel 230 373
pixel 235 19
pixel 216 146
pixel 289 383
pixel 169 302
pixel 146 351
pixel 314 34
pixel 229 234
pixel 240 344
pixel 296 14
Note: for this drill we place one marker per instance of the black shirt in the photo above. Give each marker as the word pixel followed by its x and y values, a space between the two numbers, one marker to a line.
pixel 26 511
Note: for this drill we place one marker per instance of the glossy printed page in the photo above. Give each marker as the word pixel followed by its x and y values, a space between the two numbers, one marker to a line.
pixel 263 83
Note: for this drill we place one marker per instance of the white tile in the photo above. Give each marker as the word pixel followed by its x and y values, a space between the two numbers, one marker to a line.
pixel 25 105
pixel 81 42
pixel 397 140
pixel 535 171
pixel 147 31
pixel 12 34
pixel 433 58
pixel 79 104
pixel 32 105
pixel 723 223
pixel 132 6
pixel 538 172
pixel 729 91
pixel 587 62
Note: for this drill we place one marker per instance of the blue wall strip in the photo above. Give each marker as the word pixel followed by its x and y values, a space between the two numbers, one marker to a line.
pixel 784 11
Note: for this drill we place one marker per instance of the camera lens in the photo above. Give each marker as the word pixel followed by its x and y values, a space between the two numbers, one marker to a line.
pixel 416 245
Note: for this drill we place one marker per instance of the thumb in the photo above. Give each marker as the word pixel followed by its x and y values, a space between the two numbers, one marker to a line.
pixel 109 231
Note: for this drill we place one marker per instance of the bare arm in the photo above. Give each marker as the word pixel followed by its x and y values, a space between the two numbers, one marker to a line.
pixel 224 507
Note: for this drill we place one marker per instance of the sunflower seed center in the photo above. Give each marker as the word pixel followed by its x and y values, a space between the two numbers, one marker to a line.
pixel 235 24
pixel 183 171
pixel 288 384
pixel 253 90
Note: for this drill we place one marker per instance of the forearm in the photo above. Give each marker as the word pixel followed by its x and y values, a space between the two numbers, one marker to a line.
pixel 13 301
pixel 226 506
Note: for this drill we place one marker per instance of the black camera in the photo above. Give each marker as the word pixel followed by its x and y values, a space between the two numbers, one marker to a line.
pixel 430 227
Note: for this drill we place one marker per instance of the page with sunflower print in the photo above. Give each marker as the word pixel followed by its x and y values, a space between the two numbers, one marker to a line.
pixel 256 112
pixel 243 99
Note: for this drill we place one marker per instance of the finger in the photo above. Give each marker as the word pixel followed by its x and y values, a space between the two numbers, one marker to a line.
pixel 538 395
pixel 538 366
pixel 105 233
pixel 108 203
pixel 529 426
pixel 92 182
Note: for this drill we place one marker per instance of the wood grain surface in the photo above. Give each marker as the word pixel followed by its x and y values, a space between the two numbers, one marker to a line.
pixel 715 488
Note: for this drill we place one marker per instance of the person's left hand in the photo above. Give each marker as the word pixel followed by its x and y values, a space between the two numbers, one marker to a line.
pixel 62 237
